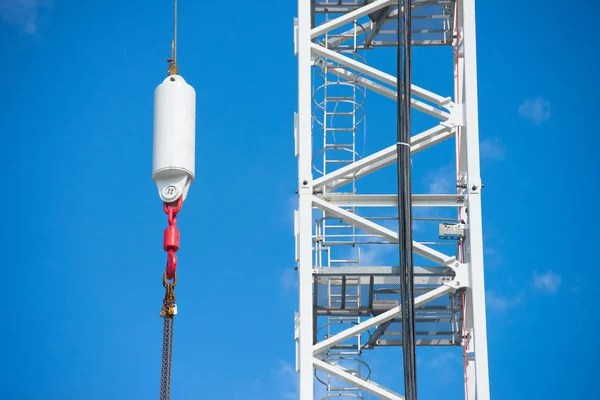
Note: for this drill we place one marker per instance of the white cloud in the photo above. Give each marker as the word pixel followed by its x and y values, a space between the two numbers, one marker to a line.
pixel 376 255
pixel 370 255
pixel 498 302
pixel 440 184
pixel 492 149
pixel 442 181
pixel 24 13
pixel 548 282
pixel 536 110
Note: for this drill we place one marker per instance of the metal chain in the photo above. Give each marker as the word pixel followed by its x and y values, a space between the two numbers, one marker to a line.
pixel 167 313
pixel 169 308
pixel 171 237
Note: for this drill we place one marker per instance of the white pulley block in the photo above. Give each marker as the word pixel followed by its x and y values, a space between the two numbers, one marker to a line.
pixel 173 156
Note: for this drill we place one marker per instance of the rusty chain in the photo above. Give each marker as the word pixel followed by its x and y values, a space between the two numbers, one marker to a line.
pixel 167 313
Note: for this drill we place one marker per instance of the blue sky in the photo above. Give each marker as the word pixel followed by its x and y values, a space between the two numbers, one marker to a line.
pixel 83 222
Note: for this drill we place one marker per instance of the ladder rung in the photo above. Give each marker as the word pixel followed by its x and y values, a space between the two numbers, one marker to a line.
pixel 347 350
pixel 340 34
pixel 340 129
pixel 337 98
pixel 340 113
pixel 335 283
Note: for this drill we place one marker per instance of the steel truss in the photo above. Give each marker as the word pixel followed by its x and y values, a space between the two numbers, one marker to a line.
pixel 451 292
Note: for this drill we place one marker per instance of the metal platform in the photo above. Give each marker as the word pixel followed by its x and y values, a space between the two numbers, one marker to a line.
pixel 370 291
pixel 433 23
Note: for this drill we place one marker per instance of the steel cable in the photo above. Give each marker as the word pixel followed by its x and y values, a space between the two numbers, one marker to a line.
pixel 405 247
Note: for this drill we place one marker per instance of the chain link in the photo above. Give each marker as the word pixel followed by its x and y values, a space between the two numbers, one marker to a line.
pixel 169 308
pixel 171 238
pixel 167 313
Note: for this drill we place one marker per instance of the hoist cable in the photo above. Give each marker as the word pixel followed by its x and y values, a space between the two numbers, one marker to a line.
pixel 173 67
pixel 405 247
pixel 174 49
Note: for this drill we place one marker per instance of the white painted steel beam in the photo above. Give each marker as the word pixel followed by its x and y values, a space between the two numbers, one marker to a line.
pixel 430 137
pixel 349 35
pixel 304 365
pixel 349 17
pixel 383 158
pixel 376 74
pixel 373 322
pixel 431 254
pixel 368 386
pixel 393 271
pixel 389 93
pixel 385 275
pixel 432 280
pixel 379 230
pixel 383 17
pixel 356 220
pixel 391 200
pixel 419 143
pixel 476 292
pixel 350 169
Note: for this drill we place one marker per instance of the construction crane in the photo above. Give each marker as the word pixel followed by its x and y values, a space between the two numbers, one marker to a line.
pixel 173 163
pixel 352 306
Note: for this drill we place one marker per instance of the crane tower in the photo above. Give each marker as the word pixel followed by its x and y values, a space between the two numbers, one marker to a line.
pixel 350 305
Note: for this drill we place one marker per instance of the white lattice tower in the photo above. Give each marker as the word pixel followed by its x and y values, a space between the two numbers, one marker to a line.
pixel 449 289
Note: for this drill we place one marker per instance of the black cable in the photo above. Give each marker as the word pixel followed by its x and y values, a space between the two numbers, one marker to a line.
pixel 405 246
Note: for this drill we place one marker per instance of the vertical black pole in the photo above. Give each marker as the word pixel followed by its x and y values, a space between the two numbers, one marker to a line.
pixel 405 246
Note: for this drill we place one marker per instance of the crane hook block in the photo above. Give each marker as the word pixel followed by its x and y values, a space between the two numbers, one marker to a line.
pixel 173 156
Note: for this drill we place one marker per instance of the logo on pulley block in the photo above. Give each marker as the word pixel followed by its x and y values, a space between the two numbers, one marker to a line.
pixel 170 192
